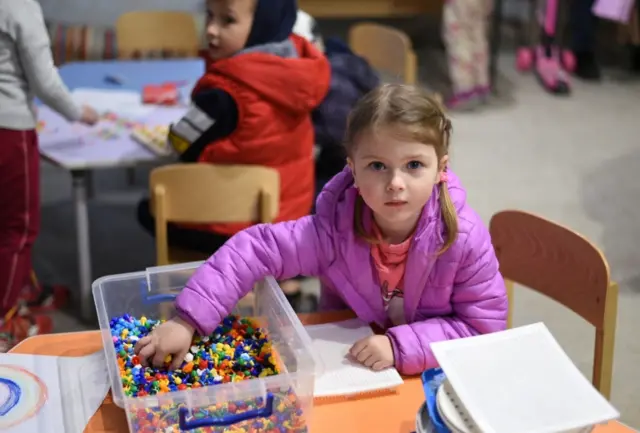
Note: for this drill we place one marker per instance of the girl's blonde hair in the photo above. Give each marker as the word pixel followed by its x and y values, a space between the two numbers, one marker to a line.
pixel 412 114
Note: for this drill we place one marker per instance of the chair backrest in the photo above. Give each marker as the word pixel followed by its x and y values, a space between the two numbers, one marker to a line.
pixel 387 50
pixel 153 32
pixel 208 193
pixel 564 266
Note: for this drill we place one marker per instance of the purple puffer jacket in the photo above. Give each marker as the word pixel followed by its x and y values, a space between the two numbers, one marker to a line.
pixel 458 294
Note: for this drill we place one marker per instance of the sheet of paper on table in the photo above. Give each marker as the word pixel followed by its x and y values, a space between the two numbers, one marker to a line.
pixel 50 393
pixel 125 103
pixel 342 376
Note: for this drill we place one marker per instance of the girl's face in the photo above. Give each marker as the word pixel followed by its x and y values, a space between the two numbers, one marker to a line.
pixel 228 26
pixel 395 179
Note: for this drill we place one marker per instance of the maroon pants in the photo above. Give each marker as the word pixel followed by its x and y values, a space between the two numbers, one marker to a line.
pixel 19 211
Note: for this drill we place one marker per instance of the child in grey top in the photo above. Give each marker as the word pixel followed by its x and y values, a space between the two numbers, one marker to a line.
pixel 27 69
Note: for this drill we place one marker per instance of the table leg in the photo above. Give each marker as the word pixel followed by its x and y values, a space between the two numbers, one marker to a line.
pixel 131 176
pixel 89 183
pixel 84 251
pixel 496 28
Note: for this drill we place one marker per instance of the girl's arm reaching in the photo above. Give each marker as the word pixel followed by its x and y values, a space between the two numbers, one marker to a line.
pixel 284 250
pixel 479 302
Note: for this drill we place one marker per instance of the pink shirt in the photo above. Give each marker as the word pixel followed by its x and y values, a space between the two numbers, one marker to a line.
pixel 390 261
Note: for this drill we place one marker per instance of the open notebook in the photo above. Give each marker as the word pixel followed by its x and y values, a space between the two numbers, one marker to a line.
pixel 342 376
pixel 519 380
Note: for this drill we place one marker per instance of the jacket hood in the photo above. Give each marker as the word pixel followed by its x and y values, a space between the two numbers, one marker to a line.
pixel 273 21
pixel 292 75
pixel 336 202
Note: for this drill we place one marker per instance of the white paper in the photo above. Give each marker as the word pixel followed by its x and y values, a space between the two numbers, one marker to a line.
pixel 126 103
pixel 521 380
pixel 342 376
pixel 50 393
pixel 84 387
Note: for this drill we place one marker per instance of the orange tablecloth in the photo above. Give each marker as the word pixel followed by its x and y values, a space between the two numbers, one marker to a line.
pixel 390 413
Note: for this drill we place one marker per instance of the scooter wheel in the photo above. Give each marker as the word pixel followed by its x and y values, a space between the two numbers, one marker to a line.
pixel 524 59
pixel 568 61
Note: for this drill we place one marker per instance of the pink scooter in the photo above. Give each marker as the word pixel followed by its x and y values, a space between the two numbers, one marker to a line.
pixel 551 64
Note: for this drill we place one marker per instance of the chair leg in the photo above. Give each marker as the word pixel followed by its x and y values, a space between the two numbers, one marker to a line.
pixel 509 285
pixel 89 183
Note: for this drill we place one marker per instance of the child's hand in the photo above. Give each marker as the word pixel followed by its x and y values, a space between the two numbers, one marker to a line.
pixel 89 115
pixel 374 352
pixel 171 338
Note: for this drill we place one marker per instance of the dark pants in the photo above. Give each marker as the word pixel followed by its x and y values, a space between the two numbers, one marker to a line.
pixel 19 211
pixel 196 240
pixel 583 26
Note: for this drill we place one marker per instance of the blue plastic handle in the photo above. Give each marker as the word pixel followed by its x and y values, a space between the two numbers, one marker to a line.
pixel 159 298
pixel 154 299
pixel 226 420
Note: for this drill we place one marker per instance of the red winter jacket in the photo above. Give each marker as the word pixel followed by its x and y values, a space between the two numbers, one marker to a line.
pixel 275 97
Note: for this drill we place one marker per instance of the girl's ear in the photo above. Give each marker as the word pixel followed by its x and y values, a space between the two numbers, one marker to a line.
pixel 352 167
pixel 350 163
pixel 442 168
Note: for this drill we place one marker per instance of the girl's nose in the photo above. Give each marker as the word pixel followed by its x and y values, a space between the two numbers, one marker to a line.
pixel 396 183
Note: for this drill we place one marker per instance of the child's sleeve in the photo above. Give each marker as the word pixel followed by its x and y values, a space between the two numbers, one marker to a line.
pixel 213 115
pixel 479 302
pixel 34 49
pixel 284 250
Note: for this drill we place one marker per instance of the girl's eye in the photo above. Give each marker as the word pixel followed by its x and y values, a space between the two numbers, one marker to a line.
pixel 414 165
pixel 229 20
pixel 377 166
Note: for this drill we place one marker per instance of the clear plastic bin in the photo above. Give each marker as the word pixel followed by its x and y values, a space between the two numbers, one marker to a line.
pixel 283 401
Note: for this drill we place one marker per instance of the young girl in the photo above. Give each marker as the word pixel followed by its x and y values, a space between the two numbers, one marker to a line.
pixel 393 240
pixel 466 40
pixel 26 69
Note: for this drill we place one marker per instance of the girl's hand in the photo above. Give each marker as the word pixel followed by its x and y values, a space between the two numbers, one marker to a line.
pixel 89 115
pixel 171 338
pixel 374 352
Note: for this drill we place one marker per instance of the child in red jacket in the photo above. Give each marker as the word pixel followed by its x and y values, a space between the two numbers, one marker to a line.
pixel 252 106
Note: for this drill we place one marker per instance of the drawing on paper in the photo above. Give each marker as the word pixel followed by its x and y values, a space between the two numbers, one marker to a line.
pixel 22 395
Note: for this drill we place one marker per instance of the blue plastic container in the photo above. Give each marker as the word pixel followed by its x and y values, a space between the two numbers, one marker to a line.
pixel 431 381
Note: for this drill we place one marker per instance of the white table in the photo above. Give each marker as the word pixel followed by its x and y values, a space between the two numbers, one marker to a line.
pixel 81 160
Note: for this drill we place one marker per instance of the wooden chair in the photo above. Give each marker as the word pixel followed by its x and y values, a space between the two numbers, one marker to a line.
pixel 156 33
pixel 369 8
pixel 387 50
pixel 173 33
pixel 207 193
pixel 566 267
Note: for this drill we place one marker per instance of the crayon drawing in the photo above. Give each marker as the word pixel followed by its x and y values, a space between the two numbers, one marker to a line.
pixel 22 395
pixel 30 394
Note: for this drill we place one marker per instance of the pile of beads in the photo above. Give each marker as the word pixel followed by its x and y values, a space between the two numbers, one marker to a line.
pixel 236 350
